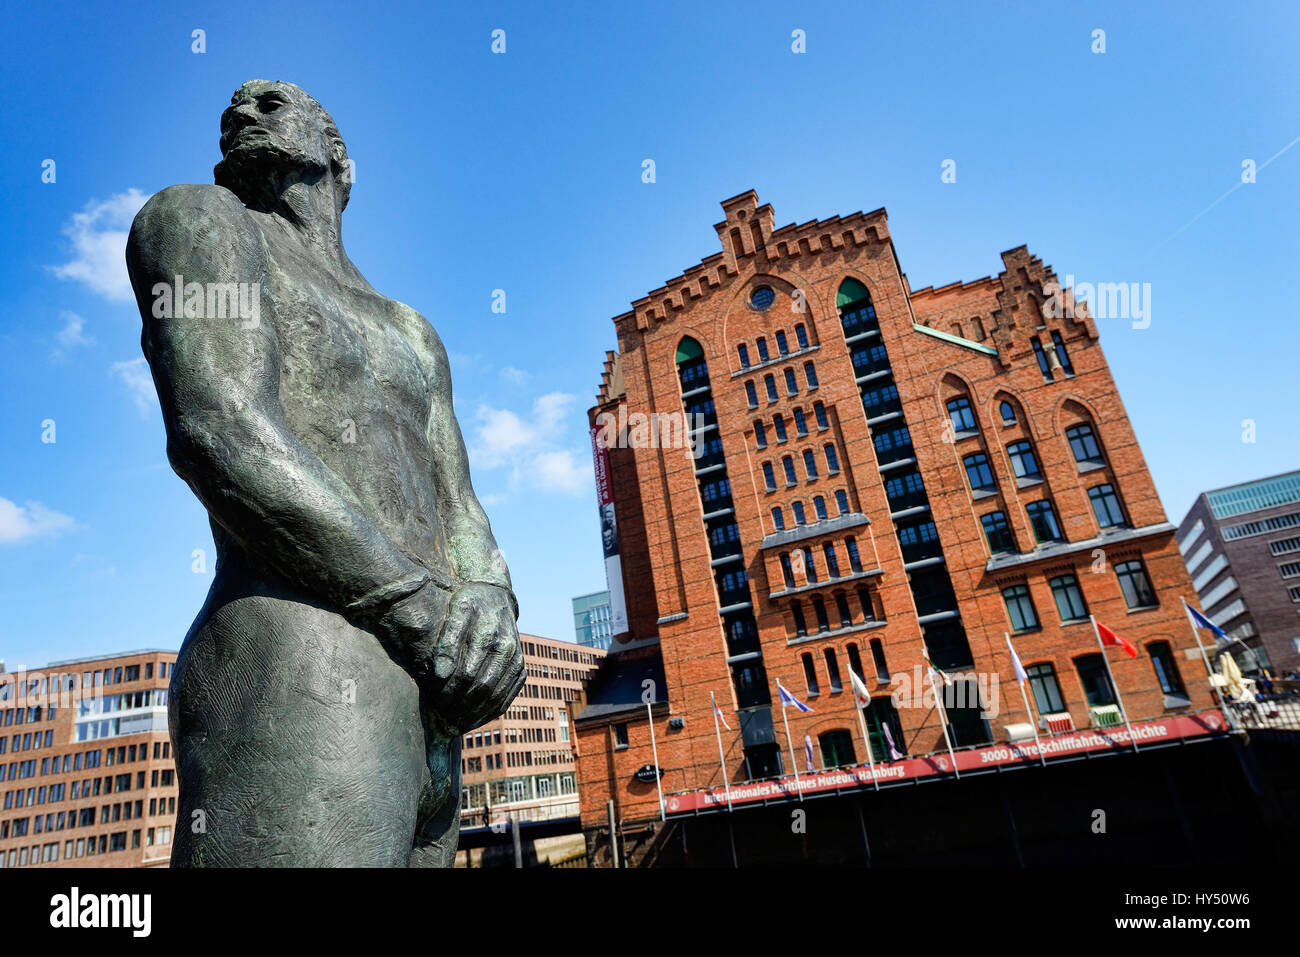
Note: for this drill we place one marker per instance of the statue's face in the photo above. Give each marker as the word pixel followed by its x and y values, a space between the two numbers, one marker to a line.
pixel 268 129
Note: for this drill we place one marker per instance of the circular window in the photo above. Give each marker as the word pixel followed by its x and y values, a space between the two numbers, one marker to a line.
pixel 762 297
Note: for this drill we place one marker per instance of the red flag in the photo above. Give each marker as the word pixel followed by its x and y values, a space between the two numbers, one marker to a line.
pixel 1109 637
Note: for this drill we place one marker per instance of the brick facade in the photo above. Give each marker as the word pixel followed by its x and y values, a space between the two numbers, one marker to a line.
pixel 972 340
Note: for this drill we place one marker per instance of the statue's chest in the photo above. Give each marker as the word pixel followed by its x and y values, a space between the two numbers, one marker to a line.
pixel 339 348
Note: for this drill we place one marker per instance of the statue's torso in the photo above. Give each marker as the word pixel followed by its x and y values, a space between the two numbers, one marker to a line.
pixel 356 386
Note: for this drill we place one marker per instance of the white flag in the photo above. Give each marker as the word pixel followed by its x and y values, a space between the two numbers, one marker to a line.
pixel 1016 666
pixel 859 690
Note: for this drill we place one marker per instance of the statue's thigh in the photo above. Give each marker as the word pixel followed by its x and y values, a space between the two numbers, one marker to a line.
pixel 298 742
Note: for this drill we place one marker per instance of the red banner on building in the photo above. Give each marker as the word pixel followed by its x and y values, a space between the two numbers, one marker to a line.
pixel 609 540
pixel 890 772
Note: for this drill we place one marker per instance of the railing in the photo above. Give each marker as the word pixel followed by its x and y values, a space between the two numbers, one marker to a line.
pixel 528 810
pixel 573 860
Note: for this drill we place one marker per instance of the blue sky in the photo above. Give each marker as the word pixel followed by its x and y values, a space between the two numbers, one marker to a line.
pixel 522 171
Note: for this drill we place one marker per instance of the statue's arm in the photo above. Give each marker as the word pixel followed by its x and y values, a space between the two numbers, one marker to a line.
pixel 474 552
pixel 218 381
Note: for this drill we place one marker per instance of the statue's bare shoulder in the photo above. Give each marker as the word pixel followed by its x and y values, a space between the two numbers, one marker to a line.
pixel 425 339
pixel 196 231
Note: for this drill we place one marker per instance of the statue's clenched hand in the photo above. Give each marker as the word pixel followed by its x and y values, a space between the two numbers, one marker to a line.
pixel 464 651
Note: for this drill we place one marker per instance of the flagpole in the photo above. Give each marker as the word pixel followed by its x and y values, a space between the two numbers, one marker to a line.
pixel 1033 721
pixel 943 721
pixel 862 723
pixel 1119 699
pixel 871 761
pixel 654 748
pixel 790 744
pixel 721 760
pixel 1218 692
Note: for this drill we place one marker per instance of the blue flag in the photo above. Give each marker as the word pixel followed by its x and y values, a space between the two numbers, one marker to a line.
pixel 788 699
pixel 1200 621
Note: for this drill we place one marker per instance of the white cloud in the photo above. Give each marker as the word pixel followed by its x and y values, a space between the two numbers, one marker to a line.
pixel 98 237
pixel 21 523
pixel 514 376
pixel 134 373
pixel 72 335
pixel 531 446
pixel 560 472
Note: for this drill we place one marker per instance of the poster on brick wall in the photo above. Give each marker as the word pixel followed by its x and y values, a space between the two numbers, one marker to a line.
pixel 609 538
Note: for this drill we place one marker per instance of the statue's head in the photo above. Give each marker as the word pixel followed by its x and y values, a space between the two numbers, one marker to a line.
pixel 272 131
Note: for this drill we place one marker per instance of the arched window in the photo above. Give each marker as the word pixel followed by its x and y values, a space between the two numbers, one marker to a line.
pixel 837 749
pixel 800 626
pixel 833 670
pixel 1162 659
pixel 878 660
pixel 788 464
pixel 801 336
pixel 819 506
pixel 810 373
pixel 819 609
pixel 751 394
pixel 855 560
pixel 797 508
pixel 842 501
pixel 819 411
pixel 782 346
pixel 769 477
pixel 760 435
pixel 1062 355
pixel 961 415
pixel 810 464
pixel 855 659
pixel 884 730
pixel 853 303
pixel 770 382
pixel 762 349
pixel 787 572
pixel 1083 444
pixel 791 386
pixel 778 424
pixel 1008 412
pixel 832 561
pixel 743 351
pixel 868 606
pixel 846 619
pixel 778 519
pixel 810 674
pixel 832 461
pixel 1023 462
pixel 800 422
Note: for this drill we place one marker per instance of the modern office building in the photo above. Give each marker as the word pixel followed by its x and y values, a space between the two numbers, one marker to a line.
pixel 88 775
pixel 1242 548
pixel 880 479
pixel 592 624
pixel 521 764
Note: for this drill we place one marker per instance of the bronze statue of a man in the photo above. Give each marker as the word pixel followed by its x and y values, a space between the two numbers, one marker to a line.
pixel 361 618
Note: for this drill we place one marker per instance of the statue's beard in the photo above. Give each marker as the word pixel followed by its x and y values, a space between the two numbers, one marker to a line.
pixel 259 172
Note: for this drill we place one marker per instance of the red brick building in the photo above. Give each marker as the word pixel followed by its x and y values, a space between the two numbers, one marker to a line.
pixel 878 472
